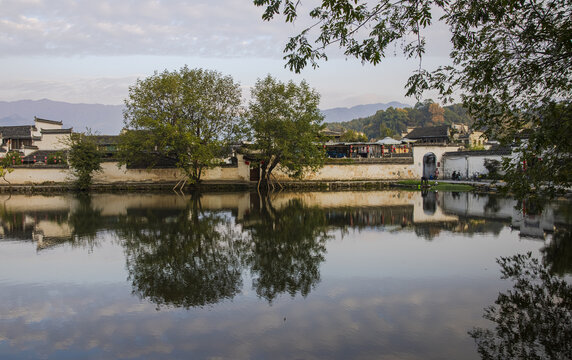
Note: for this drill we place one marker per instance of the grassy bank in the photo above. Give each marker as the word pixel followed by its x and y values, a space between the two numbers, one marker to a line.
pixel 436 185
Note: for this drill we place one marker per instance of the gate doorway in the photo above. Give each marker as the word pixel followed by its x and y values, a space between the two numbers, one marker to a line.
pixel 429 165
pixel 255 173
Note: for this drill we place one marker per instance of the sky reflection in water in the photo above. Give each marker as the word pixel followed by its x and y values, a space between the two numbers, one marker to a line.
pixel 310 275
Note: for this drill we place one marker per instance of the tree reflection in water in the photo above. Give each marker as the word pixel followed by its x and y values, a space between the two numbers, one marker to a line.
pixel 288 246
pixel 85 221
pixel 182 258
pixel 558 253
pixel 188 258
pixel 533 320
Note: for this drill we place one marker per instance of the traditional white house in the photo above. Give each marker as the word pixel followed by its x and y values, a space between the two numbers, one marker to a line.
pixel 43 137
pixel 470 164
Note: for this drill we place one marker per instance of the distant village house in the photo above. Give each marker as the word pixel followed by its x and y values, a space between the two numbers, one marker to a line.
pixel 34 142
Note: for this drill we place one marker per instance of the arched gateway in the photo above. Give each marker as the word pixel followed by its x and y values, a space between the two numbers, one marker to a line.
pixel 429 165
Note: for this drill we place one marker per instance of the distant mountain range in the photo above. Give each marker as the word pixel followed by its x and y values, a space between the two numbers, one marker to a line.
pixel 360 111
pixel 103 119
pixel 108 119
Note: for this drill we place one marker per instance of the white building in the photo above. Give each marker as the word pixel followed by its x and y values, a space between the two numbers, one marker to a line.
pixel 43 137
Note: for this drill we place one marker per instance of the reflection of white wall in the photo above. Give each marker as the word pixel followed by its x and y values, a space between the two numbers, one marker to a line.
pixel 534 225
pixel 21 203
pixel 475 205
pixel 347 198
pixel 421 216
pixel 50 229
pixel 117 204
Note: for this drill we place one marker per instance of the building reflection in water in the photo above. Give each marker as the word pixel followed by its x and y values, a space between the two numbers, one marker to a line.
pixel 193 251
pixel 192 256
pixel 63 219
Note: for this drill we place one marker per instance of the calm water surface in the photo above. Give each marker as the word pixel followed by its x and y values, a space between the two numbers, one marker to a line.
pixel 324 275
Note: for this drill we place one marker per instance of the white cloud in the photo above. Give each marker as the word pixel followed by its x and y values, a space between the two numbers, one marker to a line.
pixel 70 27
pixel 84 51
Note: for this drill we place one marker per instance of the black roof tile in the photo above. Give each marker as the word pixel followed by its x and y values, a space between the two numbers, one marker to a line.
pixel 498 151
pixel 56 131
pixel 16 132
pixel 429 132
pixel 53 122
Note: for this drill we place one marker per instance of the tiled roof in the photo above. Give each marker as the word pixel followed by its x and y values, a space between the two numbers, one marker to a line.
pixel 498 151
pixel 53 122
pixel 16 132
pixel 429 132
pixel 56 131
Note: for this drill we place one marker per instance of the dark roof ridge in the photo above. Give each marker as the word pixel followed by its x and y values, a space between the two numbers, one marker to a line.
pixel 54 122
pixel 498 151
pixel 56 131
pixel 17 131
pixel 428 132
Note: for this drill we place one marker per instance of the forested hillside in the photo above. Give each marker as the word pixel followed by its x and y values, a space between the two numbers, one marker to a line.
pixel 394 121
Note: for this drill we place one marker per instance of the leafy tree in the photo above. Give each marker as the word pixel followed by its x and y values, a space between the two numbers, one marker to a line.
pixel 12 158
pixel 56 158
pixel 493 168
pixel 84 158
pixel 361 29
pixel 384 131
pixel 419 114
pixel 7 162
pixel 186 117
pixel 437 114
pixel 286 125
pixel 5 171
pixel 512 65
pixel 395 121
pixel 456 114
pixel 353 136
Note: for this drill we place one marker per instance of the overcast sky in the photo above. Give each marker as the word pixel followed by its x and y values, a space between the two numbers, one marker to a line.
pixel 92 51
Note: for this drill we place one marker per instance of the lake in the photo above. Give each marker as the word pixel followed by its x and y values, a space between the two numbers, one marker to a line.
pixel 311 275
